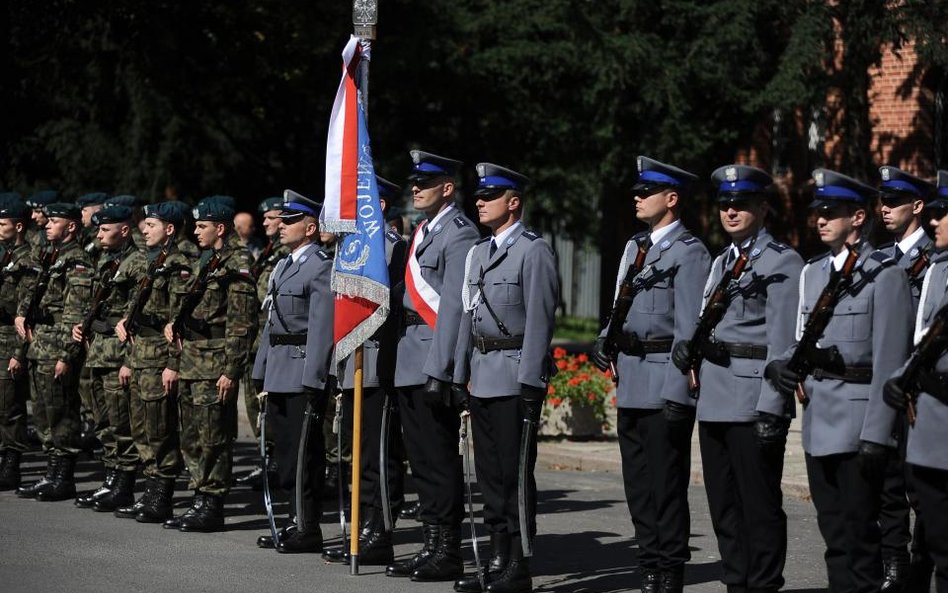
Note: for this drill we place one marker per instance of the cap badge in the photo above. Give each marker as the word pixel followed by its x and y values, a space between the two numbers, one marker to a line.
pixel 730 174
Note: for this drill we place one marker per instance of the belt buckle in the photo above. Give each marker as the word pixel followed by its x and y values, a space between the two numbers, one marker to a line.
pixel 481 344
pixel 818 374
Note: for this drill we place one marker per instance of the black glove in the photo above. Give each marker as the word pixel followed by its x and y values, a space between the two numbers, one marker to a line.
pixel 436 392
pixel 770 430
pixel 599 356
pixel 532 399
pixel 681 355
pixel 894 395
pixel 873 459
pixel 459 397
pixel 782 378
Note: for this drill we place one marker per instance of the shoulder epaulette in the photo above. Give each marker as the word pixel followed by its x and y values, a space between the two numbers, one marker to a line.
pixel 817 258
pixel 882 258
pixel 688 239
pixel 886 245
pixel 530 235
pixel 638 236
pixel 723 251
pixel 483 240
pixel 392 236
pixel 323 255
pixel 461 222
pixel 778 247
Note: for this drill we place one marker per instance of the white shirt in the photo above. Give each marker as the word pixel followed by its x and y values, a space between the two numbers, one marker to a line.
pixel 905 245
pixel 434 221
pixel 661 233
pixel 498 240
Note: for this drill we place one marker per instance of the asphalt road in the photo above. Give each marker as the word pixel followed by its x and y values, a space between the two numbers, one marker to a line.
pixel 585 544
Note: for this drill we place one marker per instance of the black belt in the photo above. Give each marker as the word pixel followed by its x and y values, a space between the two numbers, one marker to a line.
pixel 412 318
pixel 739 350
pixel 635 347
pixel 934 384
pixel 486 345
pixel 287 339
pixel 850 375
pixel 213 332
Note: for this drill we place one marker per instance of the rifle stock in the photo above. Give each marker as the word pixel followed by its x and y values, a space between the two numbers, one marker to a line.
pixel 133 324
pixel 194 294
pixel 923 358
pixel 102 293
pixel 42 284
pixel 622 304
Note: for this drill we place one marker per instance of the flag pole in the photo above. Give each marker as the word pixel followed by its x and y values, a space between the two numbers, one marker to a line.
pixel 364 19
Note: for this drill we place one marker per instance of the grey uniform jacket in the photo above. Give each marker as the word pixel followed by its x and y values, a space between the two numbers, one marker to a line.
pixel 666 307
pixel 905 262
pixel 422 351
pixel 520 283
pixel 926 440
pixel 871 326
pixel 378 352
pixel 301 293
pixel 761 311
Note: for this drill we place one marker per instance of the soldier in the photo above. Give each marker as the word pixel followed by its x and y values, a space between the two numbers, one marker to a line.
pixel 903 199
pixel 105 356
pixel 425 367
pixel 89 204
pixel 846 427
pixel 655 412
pixel 927 456
pixel 375 542
pixel 273 252
pixel 742 421
pixel 510 294
pixel 292 366
pixel 185 245
pixel 17 276
pixel 214 327
pixel 151 366
pixel 36 235
pixel 131 202
pixel 48 327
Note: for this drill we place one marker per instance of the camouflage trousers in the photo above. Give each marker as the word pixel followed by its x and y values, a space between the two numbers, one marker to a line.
pixel 154 423
pixel 208 430
pixel 56 408
pixel 14 393
pixel 112 420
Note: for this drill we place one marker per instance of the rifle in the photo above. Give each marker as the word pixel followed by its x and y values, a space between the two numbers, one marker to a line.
pixel 102 293
pixel 257 268
pixel 190 300
pixel 920 263
pixel 620 309
pixel 712 315
pixel 133 324
pixel 42 284
pixel 7 258
pixel 923 358
pixel 802 361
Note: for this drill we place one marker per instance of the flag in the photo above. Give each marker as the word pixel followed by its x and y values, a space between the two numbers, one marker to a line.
pixel 352 207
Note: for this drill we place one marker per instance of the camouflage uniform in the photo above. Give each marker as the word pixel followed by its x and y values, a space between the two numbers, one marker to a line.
pixel 17 277
pixel 93 413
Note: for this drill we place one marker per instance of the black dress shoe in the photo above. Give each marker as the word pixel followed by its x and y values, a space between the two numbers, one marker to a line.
pixel 302 542
pixel 652 581
pixel 673 580
pixel 266 541
pixel 410 511
pixel 895 572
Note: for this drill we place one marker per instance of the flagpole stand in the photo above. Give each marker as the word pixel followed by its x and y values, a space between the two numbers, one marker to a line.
pixel 356 462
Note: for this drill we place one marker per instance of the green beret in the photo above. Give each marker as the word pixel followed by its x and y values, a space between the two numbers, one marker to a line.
pixel 213 211
pixel 11 206
pixel 167 212
pixel 62 210
pixel 112 215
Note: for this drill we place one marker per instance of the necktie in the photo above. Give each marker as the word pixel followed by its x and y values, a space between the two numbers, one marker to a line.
pixel 287 262
pixel 424 230
pixel 898 253
pixel 493 248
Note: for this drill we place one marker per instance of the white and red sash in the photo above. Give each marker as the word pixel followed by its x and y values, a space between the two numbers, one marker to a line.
pixel 423 297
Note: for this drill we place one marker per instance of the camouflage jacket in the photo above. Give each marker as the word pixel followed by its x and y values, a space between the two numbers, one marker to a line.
pixel 227 313
pixel 63 305
pixel 150 349
pixel 189 249
pixel 105 349
pixel 17 276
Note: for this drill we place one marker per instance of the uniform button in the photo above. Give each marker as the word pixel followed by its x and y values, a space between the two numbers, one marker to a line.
pixel 756 371
pixel 479 319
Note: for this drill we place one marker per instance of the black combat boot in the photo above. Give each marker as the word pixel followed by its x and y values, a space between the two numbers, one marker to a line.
pixel 197 503
pixel 122 494
pixel 673 580
pixel 405 568
pixel 516 577
pixel 33 488
pixel 88 498
pixel 500 556
pixel 652 580
pixel 410 511
pixel 209 518
pixel 131 511
pixel 375 545
pixel 157 507
pixel 445 564
pixel 63 486
pixel 10 472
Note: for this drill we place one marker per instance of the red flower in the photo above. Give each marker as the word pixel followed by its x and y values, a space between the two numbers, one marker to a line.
pixel 550 390
pixel 559 352
pixel 591 397
pixel 561 364
pixel 613 401
pixel 582 358
pixel 555 402
pixel 574 381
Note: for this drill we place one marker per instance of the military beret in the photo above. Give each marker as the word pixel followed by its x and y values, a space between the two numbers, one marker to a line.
pixel 268 204
pixel 112 215
pixel 388 191
pixel 91 199
pixel 184 208
pixel 655 176
pixel 226 201
pixel 295 205
pixel 62 210
pixel 428 166
pixel 740 182
pixel 214 211
pixel 493 179
pixel 941 197
pixel 167 212
pixel 11 206
pixel 42 198
pixel 899 184
pixel 834 188
pixel 123 200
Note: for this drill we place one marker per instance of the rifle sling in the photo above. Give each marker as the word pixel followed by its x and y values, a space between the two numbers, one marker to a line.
pixel 860 375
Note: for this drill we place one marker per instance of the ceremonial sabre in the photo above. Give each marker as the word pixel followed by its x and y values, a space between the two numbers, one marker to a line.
pixel 523 478
pixel 383 463
pixel 265 462
pixel 465 452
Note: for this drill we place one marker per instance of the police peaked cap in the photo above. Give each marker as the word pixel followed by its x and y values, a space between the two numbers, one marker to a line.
pixel 271 203
pixel 62 210
pixel 169 212
pixel 112 215
pixel 740 182
pixel 42 198
pixel 123 200
pixel 213 211
pixel 295 205
pixel 429 166
pixel 492 179
pixel 900 184
pixel 388 191
pixel 11 206
pixel 941 197
pixel 91 199
pixel 655 176
pixel 834 188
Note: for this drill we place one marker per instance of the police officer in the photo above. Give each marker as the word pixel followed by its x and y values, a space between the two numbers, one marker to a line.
pixel 151 366
pixel 655 411
pixel 17 276
pixel 425 367
pixel 846 427
pixel 902 200
pixel 292 366
pixel 105 356
pixel 510 294
pixel 375 542
pixel 927 455
pixel 54 366
pixel 215 338
pixel 742 421
pixel 273 252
